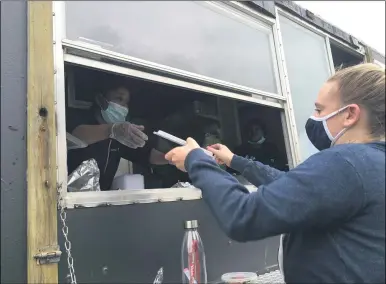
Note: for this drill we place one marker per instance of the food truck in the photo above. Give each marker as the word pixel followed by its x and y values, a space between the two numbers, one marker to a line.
pixel 193 68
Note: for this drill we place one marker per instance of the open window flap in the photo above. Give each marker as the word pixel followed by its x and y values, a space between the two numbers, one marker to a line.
pixel 74 143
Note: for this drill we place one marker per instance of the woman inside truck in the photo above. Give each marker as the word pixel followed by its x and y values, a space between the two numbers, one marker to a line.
pixel 330 209
pixel 109 135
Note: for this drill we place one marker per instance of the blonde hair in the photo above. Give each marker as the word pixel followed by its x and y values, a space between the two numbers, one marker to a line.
pixel 364 85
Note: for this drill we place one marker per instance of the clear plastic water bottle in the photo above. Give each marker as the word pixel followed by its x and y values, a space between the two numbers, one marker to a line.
pixel 193 256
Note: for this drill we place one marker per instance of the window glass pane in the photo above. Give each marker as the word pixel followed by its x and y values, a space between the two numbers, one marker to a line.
pixel 307 65
pixel 184 35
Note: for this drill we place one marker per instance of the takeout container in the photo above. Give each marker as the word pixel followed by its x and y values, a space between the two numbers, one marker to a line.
pixel 239 278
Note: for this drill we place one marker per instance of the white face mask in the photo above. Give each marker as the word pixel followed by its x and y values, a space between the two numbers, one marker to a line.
pixel 261 141
pixel 115 113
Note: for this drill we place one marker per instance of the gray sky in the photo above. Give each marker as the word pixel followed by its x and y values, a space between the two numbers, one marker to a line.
pixel 364 20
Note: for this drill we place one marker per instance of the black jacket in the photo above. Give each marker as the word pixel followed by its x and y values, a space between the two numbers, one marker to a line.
pixel 107 153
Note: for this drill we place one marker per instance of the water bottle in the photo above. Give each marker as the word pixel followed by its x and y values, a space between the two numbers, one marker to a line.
pixel 193 256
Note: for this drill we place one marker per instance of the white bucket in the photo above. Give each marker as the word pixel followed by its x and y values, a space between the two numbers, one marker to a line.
pixel 126 181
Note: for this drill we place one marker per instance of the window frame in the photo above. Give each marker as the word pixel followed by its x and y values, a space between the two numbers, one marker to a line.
pixel 234 9
pixel 191 85
pixel 123 197
pixel 149 70
pixel 289 114
pixel 379 63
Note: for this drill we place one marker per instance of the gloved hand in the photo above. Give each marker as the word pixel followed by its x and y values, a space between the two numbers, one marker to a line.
pixel 129 134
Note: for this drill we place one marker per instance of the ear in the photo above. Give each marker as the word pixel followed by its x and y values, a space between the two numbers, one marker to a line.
pixel 352 115
pixel 101 101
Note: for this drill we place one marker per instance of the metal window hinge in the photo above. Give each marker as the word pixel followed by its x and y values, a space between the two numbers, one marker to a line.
pixel 48 257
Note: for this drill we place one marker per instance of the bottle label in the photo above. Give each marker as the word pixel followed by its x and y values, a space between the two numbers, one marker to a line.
pixel 187 274
pixel 194 263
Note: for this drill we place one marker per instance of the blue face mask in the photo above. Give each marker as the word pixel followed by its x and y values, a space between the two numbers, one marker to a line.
pixel 115 113
pixel 318 132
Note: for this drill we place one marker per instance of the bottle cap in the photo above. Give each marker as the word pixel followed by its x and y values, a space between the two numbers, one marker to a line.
pixel 193 224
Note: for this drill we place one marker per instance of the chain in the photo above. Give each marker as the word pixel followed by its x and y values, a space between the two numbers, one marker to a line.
pixel 67 243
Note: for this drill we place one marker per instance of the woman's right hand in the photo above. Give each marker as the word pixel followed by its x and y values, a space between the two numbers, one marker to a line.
pixel 221 153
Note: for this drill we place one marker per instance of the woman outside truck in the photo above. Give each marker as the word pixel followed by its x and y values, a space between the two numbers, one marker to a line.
pixel 330 208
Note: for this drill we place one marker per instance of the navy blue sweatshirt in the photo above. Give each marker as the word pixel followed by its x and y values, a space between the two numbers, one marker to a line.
pixel 331 208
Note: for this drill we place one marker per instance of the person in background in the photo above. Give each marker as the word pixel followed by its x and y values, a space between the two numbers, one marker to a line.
pixel 256 147
pixel 184 123
pixel 109 135
pixel 330 209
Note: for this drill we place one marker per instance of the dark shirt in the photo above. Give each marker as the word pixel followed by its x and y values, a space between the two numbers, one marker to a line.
pixel 266 153
pixel 331 208
pixel 183 123
pixel 107 153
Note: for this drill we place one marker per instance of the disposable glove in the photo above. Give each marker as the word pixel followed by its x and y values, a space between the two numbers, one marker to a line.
pixel 129 134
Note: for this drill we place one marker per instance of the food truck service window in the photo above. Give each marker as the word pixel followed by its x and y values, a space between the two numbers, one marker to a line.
pixel 208 70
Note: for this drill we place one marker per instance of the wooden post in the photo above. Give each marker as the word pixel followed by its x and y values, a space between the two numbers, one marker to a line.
pixel 41 144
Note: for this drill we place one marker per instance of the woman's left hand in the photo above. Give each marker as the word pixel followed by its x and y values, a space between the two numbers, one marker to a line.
pixel 178 155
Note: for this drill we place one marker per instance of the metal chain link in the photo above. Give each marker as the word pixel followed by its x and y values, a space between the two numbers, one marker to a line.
pixel 67 243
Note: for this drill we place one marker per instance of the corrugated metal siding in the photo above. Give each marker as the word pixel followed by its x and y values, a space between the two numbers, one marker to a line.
pixel 314 20
pixel 13 143
pixel 265 7
pixel 268 8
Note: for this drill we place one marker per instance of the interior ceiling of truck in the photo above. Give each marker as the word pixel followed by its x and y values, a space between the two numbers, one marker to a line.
pixel 149 99
pixel 344 58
